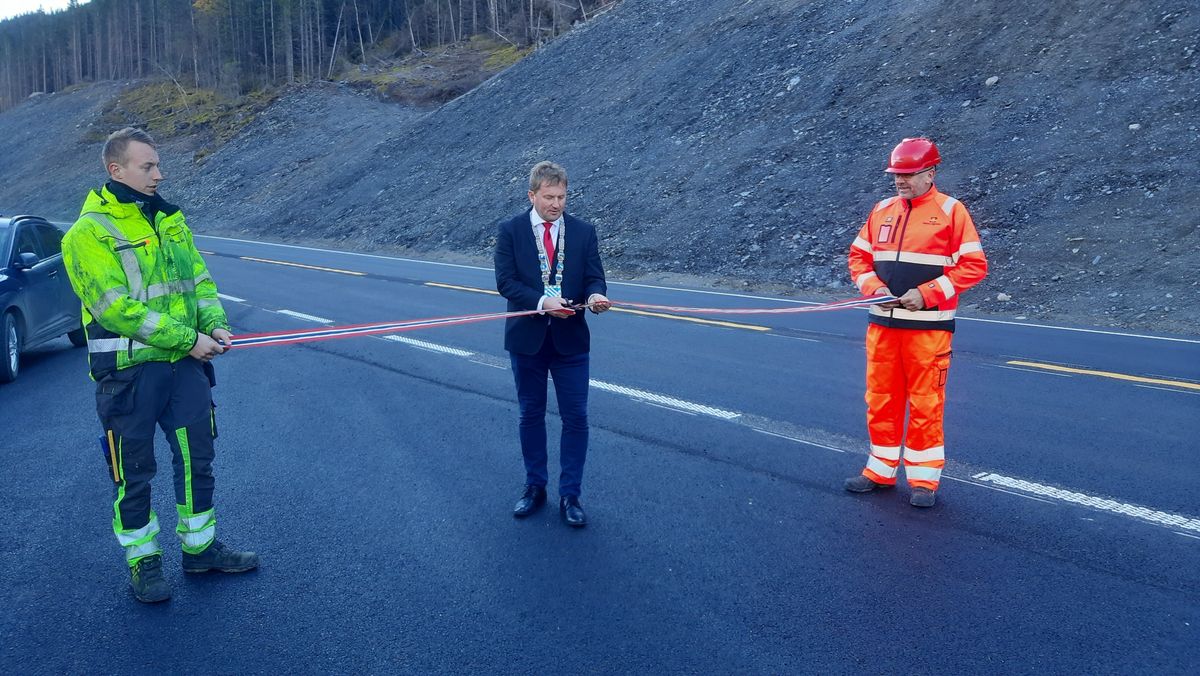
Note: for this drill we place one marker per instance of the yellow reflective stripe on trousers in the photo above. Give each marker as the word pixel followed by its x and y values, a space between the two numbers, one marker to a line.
pixel 186 452
pixel 119 525
pixel 882 469
pixel 196 531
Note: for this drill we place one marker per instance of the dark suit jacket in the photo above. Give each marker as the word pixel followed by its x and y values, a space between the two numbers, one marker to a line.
pixel 519 279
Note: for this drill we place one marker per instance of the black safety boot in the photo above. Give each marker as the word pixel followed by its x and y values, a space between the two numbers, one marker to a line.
pixel 861 484
pixel 220 558
pixel 146 579
pixel 922 497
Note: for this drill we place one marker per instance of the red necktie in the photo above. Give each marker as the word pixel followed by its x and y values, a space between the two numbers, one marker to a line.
pixel 549 244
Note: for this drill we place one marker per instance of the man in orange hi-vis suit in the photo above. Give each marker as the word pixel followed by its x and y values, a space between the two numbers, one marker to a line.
pixel 920 246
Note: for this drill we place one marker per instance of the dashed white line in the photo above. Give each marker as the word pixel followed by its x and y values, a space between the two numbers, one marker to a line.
pixel 307 318
pixel 807 340
pixel 1104 504
pixel 664 400
pixel 232 299
pixel 432 347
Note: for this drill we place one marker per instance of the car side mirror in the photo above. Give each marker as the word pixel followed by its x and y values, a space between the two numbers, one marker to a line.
pixel 26 260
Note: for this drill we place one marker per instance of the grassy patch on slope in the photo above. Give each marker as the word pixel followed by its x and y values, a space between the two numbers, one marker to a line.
pixel 168 111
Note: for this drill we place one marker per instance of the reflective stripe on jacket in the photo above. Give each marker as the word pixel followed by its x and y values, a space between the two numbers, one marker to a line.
pixel 928 243
pixel 145 289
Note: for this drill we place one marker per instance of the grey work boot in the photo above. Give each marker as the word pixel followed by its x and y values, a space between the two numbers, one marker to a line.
pixel 146 579
pixel 861 484
pixel 220 558
pixel 922 497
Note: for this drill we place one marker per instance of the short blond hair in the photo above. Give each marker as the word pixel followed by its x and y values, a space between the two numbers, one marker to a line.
pixel 546 173
pixel 117 143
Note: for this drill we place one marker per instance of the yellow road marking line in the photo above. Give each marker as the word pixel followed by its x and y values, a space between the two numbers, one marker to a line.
pixel 697 320
pixel 462 288
pixel 301 265
pixel 1107 374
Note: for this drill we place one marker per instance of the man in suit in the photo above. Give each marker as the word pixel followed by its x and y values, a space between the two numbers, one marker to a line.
pixel 549 260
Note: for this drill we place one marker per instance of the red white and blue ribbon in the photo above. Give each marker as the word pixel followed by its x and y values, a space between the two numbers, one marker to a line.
pixel 860 302
pixel 381 328
pixel 355 330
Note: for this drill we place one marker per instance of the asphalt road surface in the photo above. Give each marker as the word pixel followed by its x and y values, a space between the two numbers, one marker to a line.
pixel 376 476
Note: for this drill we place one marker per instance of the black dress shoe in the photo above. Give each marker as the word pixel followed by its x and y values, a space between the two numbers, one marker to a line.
pixel 533 498
pixel 572 511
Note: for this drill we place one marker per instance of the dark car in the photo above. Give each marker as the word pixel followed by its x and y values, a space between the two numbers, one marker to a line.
pixel 37 303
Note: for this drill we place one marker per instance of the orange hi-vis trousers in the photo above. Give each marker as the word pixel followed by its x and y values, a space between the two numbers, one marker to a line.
pixel 906 367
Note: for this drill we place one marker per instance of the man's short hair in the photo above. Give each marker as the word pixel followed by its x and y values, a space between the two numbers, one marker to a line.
pixel 546 173
pixel 117 144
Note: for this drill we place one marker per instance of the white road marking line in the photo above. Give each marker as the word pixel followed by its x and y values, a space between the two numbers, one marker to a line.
pixel 234 299
pixel 1047 494
pixel 1166 389
pixel 665 400
pixel 307 318
pixel 660 400
pixel 1017 368
pixel 432 347
pixel 1187 535
pixel 1191 341
pixel 998 490
pixel 807 340
pixel 1104 504
pixel 669 408
pixel 799 441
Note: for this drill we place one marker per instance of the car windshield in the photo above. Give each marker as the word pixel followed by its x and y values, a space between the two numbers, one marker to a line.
pixel 4 228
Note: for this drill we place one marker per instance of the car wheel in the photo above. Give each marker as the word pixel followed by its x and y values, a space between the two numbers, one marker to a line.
pixel 78 337
pixel 10 348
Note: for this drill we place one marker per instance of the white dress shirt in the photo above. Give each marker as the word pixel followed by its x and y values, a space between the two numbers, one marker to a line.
pixel 536 220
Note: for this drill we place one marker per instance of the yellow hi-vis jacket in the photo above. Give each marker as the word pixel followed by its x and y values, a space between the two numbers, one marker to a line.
pixel 145 289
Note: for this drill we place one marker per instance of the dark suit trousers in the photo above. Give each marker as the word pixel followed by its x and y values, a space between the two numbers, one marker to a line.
pixel 571 377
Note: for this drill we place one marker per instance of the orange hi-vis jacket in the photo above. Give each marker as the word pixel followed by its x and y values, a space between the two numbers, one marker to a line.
pixel 928 243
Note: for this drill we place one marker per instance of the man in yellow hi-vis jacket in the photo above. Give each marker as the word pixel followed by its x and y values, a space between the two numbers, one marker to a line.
pixel 154 323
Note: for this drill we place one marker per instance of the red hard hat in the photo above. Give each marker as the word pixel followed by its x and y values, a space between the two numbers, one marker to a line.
pixel 912 155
